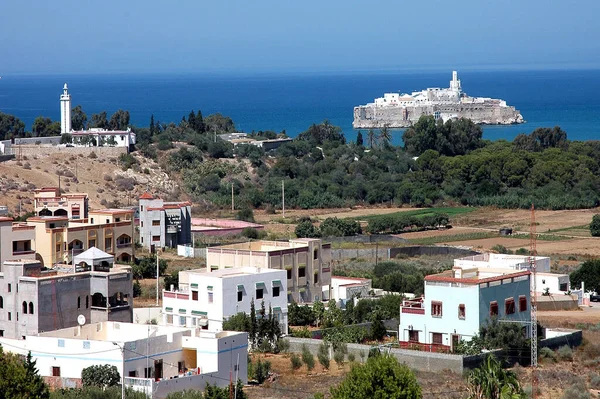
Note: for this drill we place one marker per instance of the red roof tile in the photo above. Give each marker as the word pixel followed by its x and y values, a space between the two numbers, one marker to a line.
pixel 146 195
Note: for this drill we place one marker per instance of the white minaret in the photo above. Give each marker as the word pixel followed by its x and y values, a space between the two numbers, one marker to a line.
pixel 65 110
pixel 455 82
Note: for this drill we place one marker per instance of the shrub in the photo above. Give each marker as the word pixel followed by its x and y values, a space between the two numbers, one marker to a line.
pixel 595 226
pixel 283 345
pixel 261 371
pixel 108 178
pixel 351 357
pixel 576 391
pixel 547 353
pixel 323 355
pixel 92 155
pixel 522 251
pixel 595 381
pixel 565 353
pixel 338 356
pixel 146 171
pixel 249 232
pixel 137 289
pixel 308 358
pixel 302 332
pixel 501 249
pixel 296 361
pixel 246 215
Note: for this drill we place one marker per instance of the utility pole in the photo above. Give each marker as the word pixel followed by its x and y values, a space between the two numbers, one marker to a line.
pixel 532 263
pixel 283 197
pixel 157 277
pixel 232 200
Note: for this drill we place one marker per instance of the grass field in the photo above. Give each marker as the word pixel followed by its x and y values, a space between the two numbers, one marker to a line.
pixel 422 212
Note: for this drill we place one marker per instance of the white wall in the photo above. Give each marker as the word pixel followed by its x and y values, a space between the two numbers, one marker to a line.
pixel 450 297
pixel 551 281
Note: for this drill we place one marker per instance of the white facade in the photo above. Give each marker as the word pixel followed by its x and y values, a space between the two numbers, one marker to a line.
pixel 104 138
pixel 457 302
pixel 142 353
pixel 344 288
pixel 65 110
pixel 556 283
pixel 205 299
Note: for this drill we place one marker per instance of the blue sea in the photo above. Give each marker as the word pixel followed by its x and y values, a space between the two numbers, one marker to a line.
pixel 569 98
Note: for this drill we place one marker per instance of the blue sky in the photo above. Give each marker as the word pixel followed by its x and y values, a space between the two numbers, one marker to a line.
pixel 88 36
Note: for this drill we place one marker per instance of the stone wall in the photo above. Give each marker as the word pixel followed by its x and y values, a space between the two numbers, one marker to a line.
pixel 416 360
pixel 431 250
pixel 557 302
pixel 46 150
pixel 368 253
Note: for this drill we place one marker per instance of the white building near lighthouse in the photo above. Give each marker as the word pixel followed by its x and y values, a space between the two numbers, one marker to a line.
pixel 65 110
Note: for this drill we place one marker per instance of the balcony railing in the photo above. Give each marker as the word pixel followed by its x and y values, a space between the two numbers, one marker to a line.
pixel 175 295
pixel 123 244
pixel 412 307
pixel 28 252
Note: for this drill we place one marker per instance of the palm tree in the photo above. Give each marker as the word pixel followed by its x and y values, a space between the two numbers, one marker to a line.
pixel 491 381
pixel 371 136
pixel 385 135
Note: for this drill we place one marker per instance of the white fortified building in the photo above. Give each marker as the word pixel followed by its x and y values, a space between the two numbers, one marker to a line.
pixel 402 110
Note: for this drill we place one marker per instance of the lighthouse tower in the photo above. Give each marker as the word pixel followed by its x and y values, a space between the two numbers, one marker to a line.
pixel 65 110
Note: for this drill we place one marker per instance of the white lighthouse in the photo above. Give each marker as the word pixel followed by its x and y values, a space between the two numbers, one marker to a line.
pixel 65 110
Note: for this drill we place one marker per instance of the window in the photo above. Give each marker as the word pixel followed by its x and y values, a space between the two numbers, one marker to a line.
pixel 92 220
pixel 275 291
pixel 86 344
pixel 78 302
pixel 156 223
pixel 55 371
pixel 194 295
pixel 289 274
pixel 155 238
pixel 170 319
pixel 133 373
pixel 436 309
pixel 1 303
pixel 142 209
pixel 142 223
pixel 182 320
pixel 181 366
pixel 61 343
pixel 301 272
pixel 1 333
pixel 522 303
pixel 108 244
pixel 107 221
pixel 30 307
pixel 563 287
pixel 91 243
pixel 494 308
pixel 461 311
pixel 509 306
pixel 259 293
pixel 210 297
pixel 87 301
pixel 24 307
pixel 436 338
pixel 316 278
pixel 9 287
pixel 9 316
pixel 240 296
pixel 316 254
pixel 148 372
pixel 413 336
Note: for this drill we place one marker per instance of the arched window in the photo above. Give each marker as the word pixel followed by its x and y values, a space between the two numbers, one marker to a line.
pixel 78 302
pixel 87 301
pixel 30 307
pixel 24 307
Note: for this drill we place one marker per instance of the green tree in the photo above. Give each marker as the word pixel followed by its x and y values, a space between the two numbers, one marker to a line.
pixel 44 127
pixel 372 137
pixel 359 138
pixel 253 333
pixel 385 135
pixel 66 138
pixel 137 289
pixel 119 120
pixel 322 133
pixel 171 280
pixel 19 379
pixel 101 375
pixel 307 358
pixel 323 355
pixel 380 377
pixel 10 127
pixel 455 137
pixel 491 381
pixel 595 226
pixel 78 118
pixel 378 330
pixel 218 123
pixel 99 120
pixel 306 229
pixel 589 272
pixel 245 214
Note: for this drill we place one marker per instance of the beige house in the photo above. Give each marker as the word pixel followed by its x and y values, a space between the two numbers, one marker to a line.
pixel 58 239
pixel 17 240
pixel 307 261
pixel 48 201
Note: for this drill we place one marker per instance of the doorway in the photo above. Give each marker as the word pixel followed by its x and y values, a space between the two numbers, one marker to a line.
pixel 158 370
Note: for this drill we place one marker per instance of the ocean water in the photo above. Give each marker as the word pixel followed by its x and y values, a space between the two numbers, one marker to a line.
pixel 570 98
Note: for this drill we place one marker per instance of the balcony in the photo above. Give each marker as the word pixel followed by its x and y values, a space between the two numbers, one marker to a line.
pixel 175 295
pixel 19 253
pixel 412 307
pixel 124 245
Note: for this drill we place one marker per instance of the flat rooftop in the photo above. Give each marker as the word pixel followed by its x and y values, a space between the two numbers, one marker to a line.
pixel 266 246
pixel 233 272
pixel 476 275
pixel 114 331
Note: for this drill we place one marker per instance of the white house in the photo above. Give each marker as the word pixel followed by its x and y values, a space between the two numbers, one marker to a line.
pixel 553 282
pixel 206 298
pixel 457 302
pixel 345 288
pixel 97 137
pixel 149 357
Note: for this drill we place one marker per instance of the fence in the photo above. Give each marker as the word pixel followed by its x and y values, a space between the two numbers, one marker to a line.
pixel 391 253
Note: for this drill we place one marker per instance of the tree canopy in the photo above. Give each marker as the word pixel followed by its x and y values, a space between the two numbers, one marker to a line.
pixel 44 127
pixel 595 226
pixel 589 272
pixel 10 127
pixel 101 376
pixel 381 377
pixel 20 379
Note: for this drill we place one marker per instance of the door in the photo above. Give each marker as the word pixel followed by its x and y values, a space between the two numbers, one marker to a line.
pixel 455 339
pixel 158 370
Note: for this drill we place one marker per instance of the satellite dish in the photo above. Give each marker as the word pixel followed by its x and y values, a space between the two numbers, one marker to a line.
pixel 81 319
